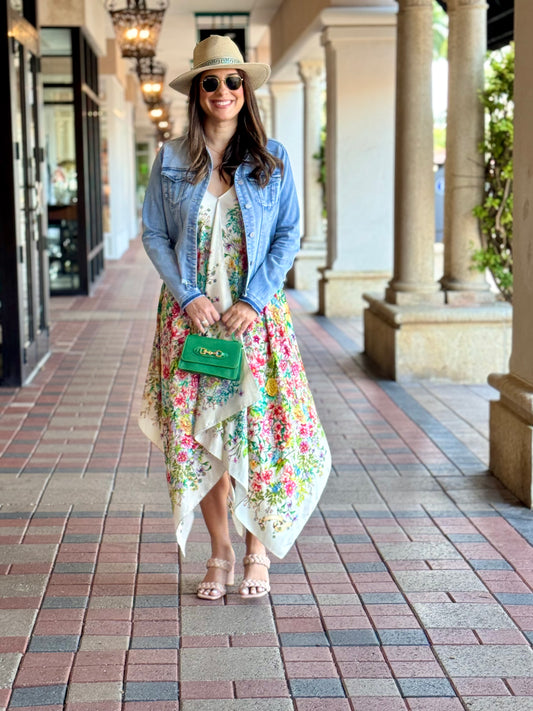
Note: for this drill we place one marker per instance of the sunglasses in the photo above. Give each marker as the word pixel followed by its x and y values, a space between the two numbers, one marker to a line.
pixel 212 82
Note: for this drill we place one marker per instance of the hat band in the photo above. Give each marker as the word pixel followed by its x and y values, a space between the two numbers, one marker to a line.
pixel 219 60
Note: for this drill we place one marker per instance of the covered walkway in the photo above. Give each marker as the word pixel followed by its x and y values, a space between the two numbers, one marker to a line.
pixel 410 588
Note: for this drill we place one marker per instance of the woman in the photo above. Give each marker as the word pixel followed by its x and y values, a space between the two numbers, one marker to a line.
pixel 221 226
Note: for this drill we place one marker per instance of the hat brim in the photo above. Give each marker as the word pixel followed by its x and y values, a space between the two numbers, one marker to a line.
pixel 257 73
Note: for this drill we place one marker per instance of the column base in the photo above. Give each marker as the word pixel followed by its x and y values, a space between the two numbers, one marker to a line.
pixel 341 293
pixel 304 274
pixel 511 436
pixel 469 298
pixel 432 295
pixel 437 342
pixel 467 293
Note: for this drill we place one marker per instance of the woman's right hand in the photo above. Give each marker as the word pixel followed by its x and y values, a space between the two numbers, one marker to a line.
pixel 202 313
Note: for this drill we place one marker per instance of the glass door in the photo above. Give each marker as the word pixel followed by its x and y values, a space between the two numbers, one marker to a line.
pixel 25 287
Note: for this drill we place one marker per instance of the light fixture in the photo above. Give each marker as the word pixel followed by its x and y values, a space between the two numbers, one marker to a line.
pixel 159 112
pixel 137 26
pixel 151 75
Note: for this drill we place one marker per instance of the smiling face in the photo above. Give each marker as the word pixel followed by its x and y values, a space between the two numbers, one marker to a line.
pixel 222 105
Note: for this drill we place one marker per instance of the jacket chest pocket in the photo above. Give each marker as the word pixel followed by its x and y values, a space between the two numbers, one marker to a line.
pixel 175 186
pixel 269 195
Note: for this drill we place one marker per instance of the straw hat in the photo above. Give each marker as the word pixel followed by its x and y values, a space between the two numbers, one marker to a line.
pixel 220 52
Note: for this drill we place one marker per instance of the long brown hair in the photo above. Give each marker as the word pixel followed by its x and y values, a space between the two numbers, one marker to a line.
pixel 247 143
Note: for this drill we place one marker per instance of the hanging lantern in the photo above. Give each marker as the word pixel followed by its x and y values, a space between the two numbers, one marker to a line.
pixel 159 112
pixel 137 26
pixel 151 75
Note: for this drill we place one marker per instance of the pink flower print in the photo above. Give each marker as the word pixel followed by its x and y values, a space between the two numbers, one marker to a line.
pixel 266 477
pixel 289 471
pixel 188 441
pixel 180 399
pixel 304 447
pixel 182 457
pixel 290 486
pixel 256 485
pixel 166 371
pixel 278 432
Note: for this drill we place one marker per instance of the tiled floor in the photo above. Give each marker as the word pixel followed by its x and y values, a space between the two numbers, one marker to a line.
pixel 410 588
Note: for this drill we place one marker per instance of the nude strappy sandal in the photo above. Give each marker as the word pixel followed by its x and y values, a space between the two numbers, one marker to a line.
pixel 262 587
pixel 211 590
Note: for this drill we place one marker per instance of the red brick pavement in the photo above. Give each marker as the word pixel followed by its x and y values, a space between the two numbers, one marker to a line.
pixel 409 589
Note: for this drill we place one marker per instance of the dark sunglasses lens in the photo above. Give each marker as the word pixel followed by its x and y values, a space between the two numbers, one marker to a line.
pixel 210 84
pixel 233 82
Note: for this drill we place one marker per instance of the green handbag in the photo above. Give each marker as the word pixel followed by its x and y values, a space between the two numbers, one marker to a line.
pixel 211 356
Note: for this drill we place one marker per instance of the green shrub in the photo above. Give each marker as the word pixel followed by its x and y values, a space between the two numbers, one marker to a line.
pixel 495 214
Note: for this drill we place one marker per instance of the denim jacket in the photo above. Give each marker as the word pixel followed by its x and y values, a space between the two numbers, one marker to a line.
pixel 270 216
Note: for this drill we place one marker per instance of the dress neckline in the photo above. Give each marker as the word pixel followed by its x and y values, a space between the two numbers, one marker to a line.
pixel 217 197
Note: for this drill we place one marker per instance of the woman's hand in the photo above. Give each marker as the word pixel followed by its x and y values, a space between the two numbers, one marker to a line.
pixel 238 317
pixel 202 313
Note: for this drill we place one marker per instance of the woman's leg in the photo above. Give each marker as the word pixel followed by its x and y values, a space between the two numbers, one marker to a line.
pixel 215 512
pixel 254 571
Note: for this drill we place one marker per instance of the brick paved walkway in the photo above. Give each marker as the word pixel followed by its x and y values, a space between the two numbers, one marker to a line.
pixel 411 587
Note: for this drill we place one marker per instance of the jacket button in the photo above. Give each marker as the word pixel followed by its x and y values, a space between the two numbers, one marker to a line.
pixel 247 206
pixel 252 234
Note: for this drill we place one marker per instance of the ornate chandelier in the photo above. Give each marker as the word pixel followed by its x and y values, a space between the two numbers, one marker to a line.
pixel 136 26
pixel 151 75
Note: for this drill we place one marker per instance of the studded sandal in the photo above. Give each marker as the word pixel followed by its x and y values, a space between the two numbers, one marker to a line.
pixel 210 589
pixel 262 587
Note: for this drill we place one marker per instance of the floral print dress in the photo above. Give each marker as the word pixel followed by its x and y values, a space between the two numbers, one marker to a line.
pixel 264 429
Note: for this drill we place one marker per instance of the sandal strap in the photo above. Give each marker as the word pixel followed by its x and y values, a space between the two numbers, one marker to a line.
pixel 257 559
pixel 226 565
pixel 206 587
pixel 251 583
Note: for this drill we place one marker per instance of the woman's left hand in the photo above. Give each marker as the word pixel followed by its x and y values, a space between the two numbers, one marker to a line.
pixel 238 317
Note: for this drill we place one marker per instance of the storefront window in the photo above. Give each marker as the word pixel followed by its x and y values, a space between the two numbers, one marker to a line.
pixel 62 198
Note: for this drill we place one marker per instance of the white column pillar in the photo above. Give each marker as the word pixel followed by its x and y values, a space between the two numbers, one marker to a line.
pixel 264 101
pixel 312 256
pixel 360 62
pixel 511 418
pixel 414 204
pixel 119 213
pixel 467 44
pixel 287 112
pixel 312 75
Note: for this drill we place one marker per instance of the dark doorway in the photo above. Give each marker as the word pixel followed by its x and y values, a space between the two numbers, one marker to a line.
pixel 24 263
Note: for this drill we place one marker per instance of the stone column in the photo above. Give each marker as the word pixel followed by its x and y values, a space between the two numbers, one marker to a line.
pixel 414 196
pixel 511 418
pixel 413 333
pixel 287 112
pixel 360 58
pixel 264 101
pixel 313 254
pixel 467 44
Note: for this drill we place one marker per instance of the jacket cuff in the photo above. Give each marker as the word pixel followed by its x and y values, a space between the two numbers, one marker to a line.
pixel 190 298
pixel 255 306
